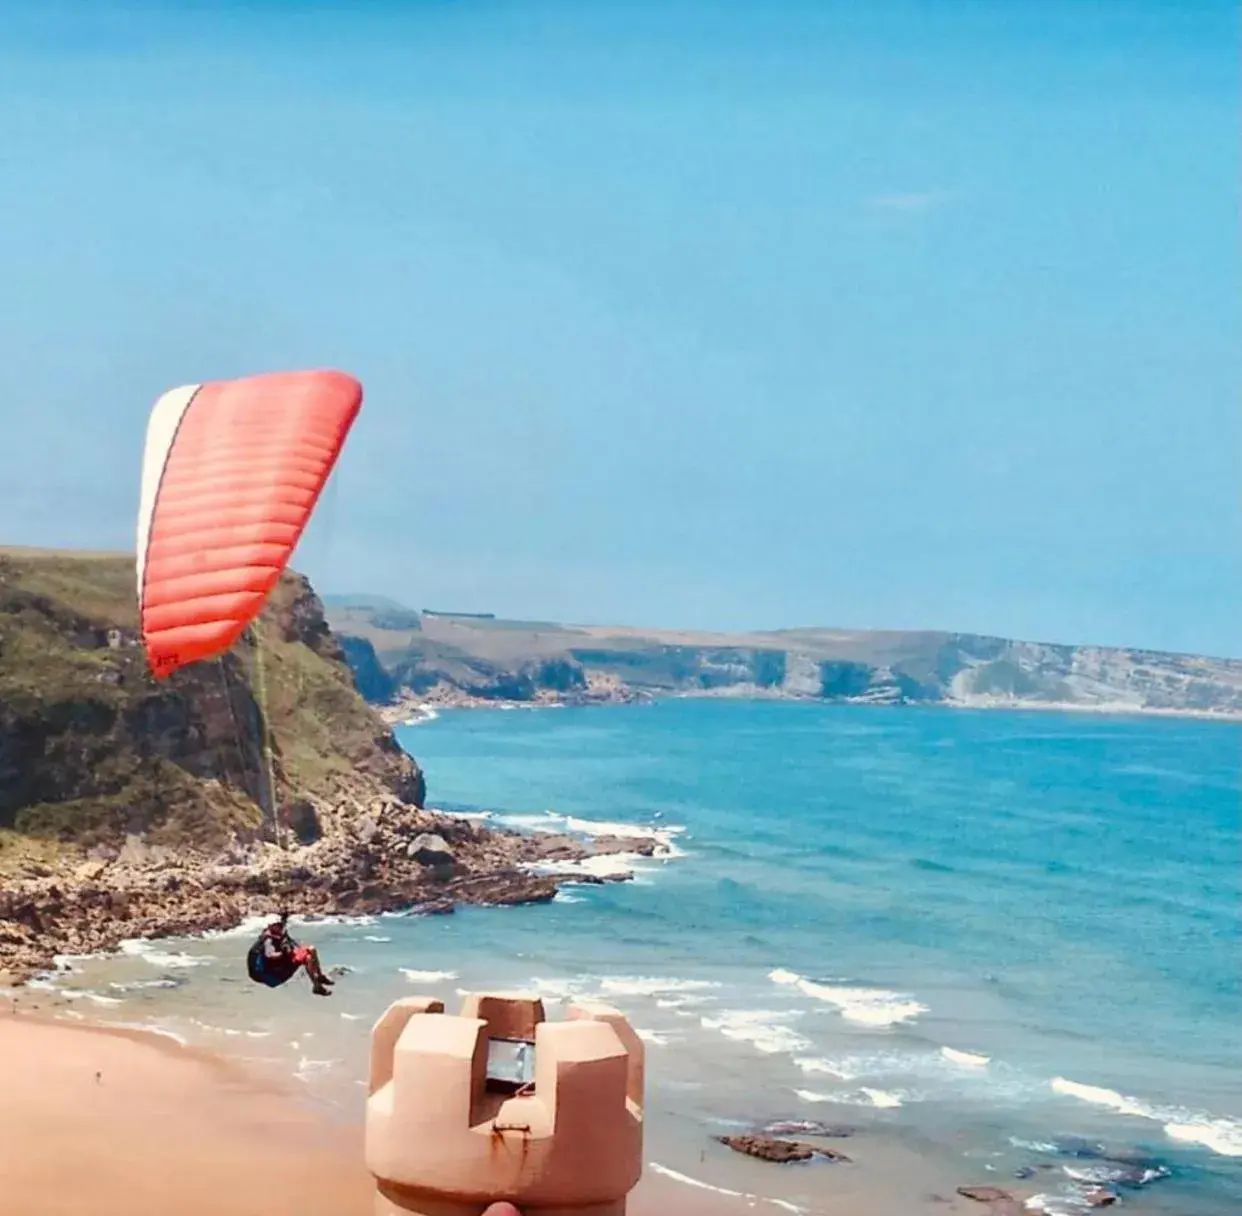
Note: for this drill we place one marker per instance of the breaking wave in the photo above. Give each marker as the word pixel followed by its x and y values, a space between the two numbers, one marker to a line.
pixel 427 977
pixel 880 1099
pixel 149 953
pixel 763 1029
pixel 865 1006
pixel 1220 1136
pixel 643 985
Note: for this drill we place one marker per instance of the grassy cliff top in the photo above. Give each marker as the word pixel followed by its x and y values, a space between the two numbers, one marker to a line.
pixel 93 749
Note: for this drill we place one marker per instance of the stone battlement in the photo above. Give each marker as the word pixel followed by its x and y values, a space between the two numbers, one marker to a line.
pixel 499 1103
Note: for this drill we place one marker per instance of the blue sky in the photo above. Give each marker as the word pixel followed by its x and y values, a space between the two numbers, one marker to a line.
pixel 685 313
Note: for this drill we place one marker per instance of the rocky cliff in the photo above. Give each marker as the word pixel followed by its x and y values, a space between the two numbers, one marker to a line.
pixel 135 808
pixel 92 748
pixel 476 661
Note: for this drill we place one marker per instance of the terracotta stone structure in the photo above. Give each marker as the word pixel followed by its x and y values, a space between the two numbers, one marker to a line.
pixel 499 1103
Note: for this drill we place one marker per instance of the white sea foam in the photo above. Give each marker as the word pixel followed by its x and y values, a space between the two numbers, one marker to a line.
pixel 251 926
pixel 605 865
pixel 764 1029
pixel 833 1068
pixel 147 1028
pixel 1058 1205
pixel 1099 1096
pixel 664 836
pixel 686 1180
pixel 1221 1136
pixel 968 1059
pixel 654 1037
pixel 1034 1146
pixel 308 1069
pixel 699 1184
pixel 895 1069
pixel 79 994
pixel 547 822
pixel 467 815
pixel 866 1006
pixel 645 985
pixel 881 1099
pixel 427 977
pixel 616 866
pixel 352 1017
pixel 683 1003
pixel 139 985
pixel 97 998
pixel 811 1095
pixel 149 953
pixel 556 989
pixel 375 937
pixel 65 962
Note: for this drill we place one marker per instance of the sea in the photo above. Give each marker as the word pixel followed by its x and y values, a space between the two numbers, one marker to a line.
pixel 1002 946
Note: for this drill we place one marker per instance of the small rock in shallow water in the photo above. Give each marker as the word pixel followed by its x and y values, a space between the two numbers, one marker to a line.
pixel 781 1151
pixel 1099 1198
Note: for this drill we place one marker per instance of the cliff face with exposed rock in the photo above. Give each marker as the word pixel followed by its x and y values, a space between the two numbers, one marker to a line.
pixel 262 779
pixel 460 660
pixel 93 749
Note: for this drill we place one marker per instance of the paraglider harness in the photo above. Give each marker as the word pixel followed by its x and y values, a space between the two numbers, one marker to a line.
pixel 258 966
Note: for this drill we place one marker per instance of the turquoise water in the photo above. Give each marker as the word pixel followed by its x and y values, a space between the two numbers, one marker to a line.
pixel 969 933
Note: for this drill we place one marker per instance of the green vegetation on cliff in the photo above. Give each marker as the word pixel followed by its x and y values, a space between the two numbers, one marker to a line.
pixel 93 749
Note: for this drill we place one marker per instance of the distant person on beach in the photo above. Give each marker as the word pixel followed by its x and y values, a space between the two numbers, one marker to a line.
pixel 275 958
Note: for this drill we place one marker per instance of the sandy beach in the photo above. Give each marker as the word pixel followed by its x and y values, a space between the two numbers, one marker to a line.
pixel 118 1123
pixel 110 1122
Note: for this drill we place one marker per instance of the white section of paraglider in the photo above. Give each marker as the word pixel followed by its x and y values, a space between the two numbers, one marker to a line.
pixel 166 416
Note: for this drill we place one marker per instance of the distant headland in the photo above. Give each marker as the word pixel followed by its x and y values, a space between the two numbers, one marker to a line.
pixel 402 658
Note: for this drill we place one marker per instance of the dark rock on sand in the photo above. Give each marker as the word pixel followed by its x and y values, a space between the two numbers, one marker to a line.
pixel 984 1194
pixel 768 1148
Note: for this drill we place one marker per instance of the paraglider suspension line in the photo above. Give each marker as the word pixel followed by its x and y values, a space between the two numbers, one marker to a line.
pixel 237 731
pixel 268 763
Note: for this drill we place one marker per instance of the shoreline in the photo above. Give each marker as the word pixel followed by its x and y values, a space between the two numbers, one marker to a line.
pixel 415 711
pixel 84 1102
pixel 398 859
pixel 82 1094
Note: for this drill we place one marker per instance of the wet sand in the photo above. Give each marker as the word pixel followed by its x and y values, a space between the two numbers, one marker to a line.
pixel 96 1121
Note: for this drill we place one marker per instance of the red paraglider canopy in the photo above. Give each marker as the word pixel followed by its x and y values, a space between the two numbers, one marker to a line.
pixel 231 474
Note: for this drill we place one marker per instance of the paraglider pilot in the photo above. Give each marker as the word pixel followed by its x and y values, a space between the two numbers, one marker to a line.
pixel 275 959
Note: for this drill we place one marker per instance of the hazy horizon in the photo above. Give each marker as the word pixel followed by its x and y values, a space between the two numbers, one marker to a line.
pixel 695 316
